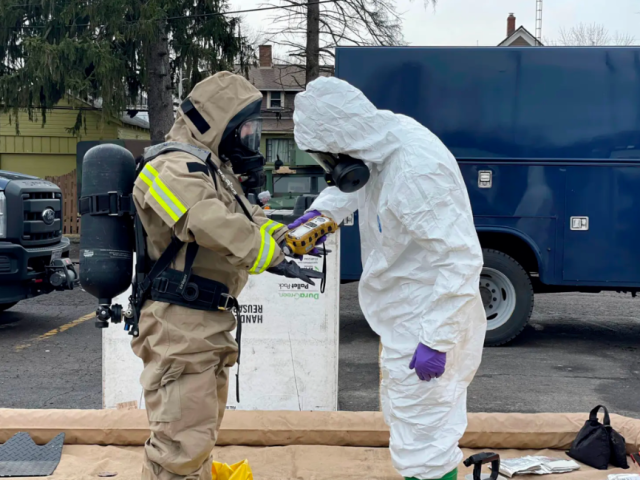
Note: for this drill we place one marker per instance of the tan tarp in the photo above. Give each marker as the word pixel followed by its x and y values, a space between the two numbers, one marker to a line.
pixel 299 462
pixel 295 445
pixel 361 429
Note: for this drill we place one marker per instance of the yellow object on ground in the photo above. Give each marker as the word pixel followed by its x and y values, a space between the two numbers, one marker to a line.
pixel 237 471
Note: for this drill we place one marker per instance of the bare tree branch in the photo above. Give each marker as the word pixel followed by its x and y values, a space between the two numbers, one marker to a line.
pixel 342 23
pixel 591 35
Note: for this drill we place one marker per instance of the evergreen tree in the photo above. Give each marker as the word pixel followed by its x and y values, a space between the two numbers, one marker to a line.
pixel 107 52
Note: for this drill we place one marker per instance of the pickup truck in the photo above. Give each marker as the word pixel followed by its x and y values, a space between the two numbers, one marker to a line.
pixel 34 255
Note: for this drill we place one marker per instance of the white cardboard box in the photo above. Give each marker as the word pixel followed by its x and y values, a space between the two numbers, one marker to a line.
pixel 289 345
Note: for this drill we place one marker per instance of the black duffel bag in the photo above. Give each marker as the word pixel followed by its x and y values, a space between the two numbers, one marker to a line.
pixel 598 445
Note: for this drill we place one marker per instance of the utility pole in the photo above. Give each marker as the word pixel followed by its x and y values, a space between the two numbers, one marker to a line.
pixel 539 21
pixel 313 41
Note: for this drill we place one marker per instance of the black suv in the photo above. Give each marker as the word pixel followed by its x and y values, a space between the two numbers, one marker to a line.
pixel 34 256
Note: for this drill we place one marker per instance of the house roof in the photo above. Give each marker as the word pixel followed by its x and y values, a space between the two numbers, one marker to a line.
pixel 282 77
pixel 521 33
pixel 141 120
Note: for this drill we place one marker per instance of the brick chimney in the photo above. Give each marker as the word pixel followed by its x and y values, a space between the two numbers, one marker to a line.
pixel 511 26
pixel 265 56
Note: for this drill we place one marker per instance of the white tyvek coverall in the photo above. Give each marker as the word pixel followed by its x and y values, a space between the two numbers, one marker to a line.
pixel 421 259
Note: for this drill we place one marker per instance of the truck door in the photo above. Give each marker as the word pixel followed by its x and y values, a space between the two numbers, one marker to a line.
pixel 601 235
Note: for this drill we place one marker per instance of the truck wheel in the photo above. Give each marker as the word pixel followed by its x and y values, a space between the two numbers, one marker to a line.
pixel 507 296
pixel 6 306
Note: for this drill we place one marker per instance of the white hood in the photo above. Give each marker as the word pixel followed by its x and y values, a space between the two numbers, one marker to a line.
pixel 334 117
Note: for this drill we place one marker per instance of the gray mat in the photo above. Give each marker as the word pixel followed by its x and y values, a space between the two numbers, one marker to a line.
pixel 21 457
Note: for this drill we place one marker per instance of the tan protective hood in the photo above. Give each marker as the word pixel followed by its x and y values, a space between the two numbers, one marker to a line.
pixel 218 98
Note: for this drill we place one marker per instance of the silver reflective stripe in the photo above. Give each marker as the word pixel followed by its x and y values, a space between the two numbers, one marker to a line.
pixel 167 201
pixel 264 258
pixel 161 193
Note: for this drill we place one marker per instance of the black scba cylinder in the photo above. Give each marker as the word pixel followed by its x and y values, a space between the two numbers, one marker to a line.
pixel 107 238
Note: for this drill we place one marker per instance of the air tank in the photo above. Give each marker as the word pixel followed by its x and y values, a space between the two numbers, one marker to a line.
pixel 106 240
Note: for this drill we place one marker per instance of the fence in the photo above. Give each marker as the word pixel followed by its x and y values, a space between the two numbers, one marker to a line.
pixel 69 185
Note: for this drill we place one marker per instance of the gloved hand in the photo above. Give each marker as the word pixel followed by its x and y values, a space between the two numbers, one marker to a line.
pixel 428 363
pixel 291 269
pixel 304 219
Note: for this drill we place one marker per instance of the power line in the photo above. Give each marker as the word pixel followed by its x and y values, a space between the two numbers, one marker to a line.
pixel 261 9
pixel 183 17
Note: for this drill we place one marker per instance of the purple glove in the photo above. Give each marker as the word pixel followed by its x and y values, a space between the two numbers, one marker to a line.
pixel 428 363
pixel 304 219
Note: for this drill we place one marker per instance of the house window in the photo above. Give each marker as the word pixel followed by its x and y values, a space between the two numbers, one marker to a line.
pixel 292 184
pixel 282 148
pixel 276 100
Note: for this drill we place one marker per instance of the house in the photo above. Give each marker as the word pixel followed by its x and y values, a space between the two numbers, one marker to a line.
pixel 49 150
pixel 520 37
pixel 279 84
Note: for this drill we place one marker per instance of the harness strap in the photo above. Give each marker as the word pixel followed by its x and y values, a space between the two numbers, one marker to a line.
pixel 192 251
pixel 163 262
pixel 111 203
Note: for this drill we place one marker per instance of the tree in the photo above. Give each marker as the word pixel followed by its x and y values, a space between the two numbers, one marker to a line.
pixel 311 29
pixel 108 52
pixel 591 35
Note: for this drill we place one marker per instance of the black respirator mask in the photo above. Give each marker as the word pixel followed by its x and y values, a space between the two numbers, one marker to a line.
pixel 347 173
pixel 240 145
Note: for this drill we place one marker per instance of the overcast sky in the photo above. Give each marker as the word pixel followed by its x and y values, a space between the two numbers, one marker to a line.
pixel 484 22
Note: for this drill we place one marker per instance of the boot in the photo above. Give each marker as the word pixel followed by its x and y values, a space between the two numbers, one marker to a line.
pixel 449 476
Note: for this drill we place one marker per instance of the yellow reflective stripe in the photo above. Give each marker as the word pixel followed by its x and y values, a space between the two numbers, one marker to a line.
pixel 272 246
pixel 258 263
pixel 264 257
pixel 275 227
pixel 164 205
pixel 169 194
pixel 152 170
pixel 167 200
pixel 146 179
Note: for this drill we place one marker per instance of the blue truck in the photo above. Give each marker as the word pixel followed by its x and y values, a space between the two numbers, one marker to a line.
pixel 548 142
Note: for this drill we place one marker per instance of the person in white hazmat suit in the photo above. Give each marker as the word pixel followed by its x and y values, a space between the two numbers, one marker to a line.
pixel 421 264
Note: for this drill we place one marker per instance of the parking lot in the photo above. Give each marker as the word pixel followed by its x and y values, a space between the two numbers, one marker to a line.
pixel 580 350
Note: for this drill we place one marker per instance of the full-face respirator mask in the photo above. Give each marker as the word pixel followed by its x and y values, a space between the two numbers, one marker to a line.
pixel 240 146
pixel 343 171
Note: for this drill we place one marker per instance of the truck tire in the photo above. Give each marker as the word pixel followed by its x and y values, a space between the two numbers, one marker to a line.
pixel 507 296
pixel 6 306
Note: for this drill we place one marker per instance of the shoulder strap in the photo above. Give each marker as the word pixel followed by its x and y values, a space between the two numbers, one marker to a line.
pixel 192 251
pixel 163 262
pixel 156 150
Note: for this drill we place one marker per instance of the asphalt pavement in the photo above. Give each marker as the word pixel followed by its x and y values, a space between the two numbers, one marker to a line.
pixel 51 354
pixel 580 350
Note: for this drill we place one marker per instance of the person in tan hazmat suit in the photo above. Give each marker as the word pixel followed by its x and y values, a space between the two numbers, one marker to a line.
pixel 190 201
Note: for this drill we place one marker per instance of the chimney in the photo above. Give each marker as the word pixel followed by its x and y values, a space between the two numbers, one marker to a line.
pixel 511 26
pixel 265 56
